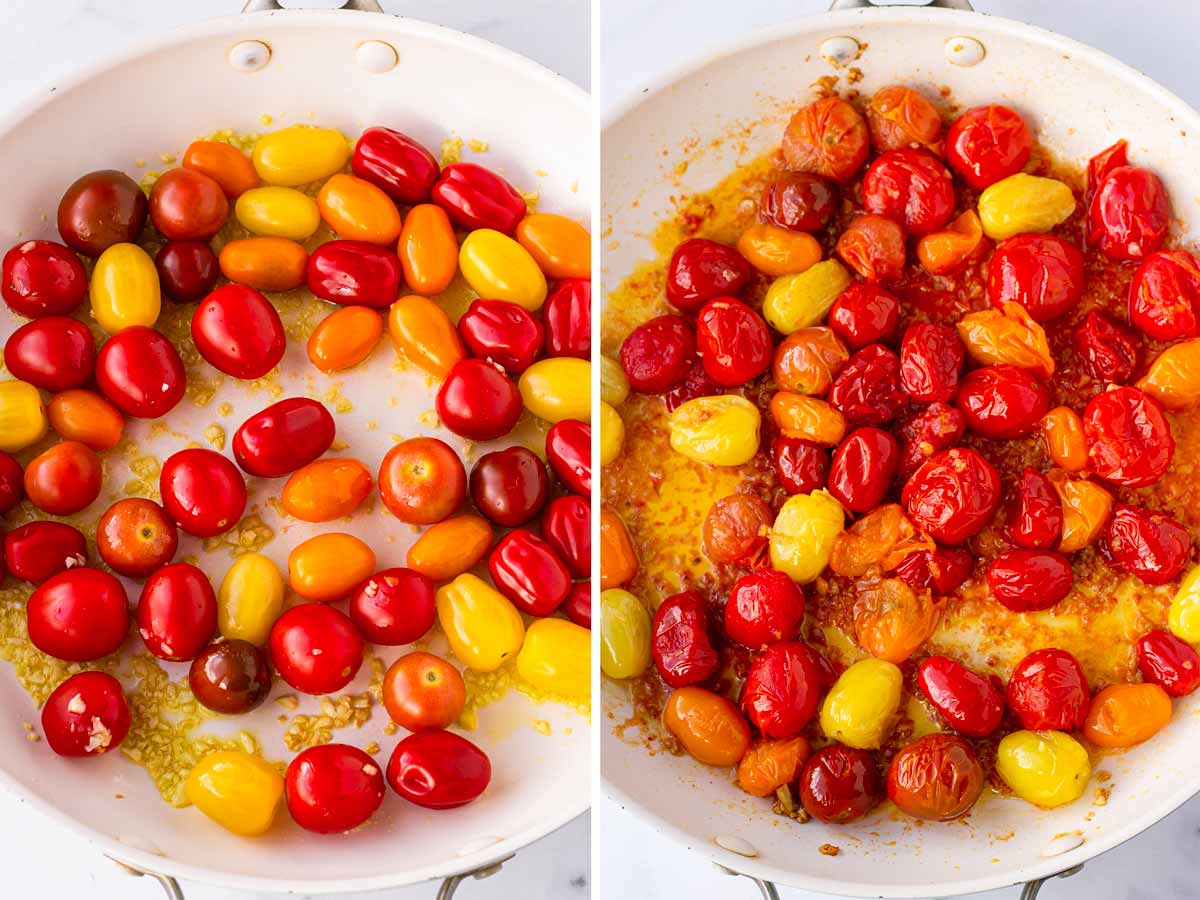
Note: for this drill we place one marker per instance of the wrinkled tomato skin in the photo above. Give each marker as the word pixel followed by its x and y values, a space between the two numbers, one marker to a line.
pixel 1003 402
pixel 657 355
pixel 503 332
pixel 953 495
pixel 55 353
pixel 1109 353
pixel 864 314
pixel 202 491
pixel 283 437
pixel 873 246
pixel 315 648
pixel 230 677
pixel 697 383
pixel 527 571
pixel 733 341
pixel 1035 513
pixel 238 331
pixel 1129 439
pixel 988 143
pixel 968 702
pixel 1130 213
pixel 566 525
pixel 354 273
pixel 578 605
pixel 1049 692
pixel 782 690
pixel 187 270
pixel 177 612
pixel 1164 296
pixel 828 137
pixel 1029 580
pixel 863 466
pixel 78 615
pixel 1169 662
pixel 735 530
pixel 764 607
pixel 912 188
pixel 935 428
pixel 332 788
pixel 393 607
pixel 840 784
pixel 701 270
pixel 683 652
pixel 86 715
pixel 438 770
pixel 867 391
pixel 798 201
pixel 567 313
pixel 100 209
pixel 510 486
pixel 942 570
pixel 569 452
pixel 801 466
pixel 476 197
pixel 38 550
pixel 1041 272
pixel 395 163
pixel 42 278
pixel 931 358
pixel 1142 542
pixel 478 401
pixel 937 777
pixel 141 373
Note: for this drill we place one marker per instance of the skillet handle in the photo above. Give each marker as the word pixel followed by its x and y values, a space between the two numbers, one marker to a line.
pixel 273 5
pixel 450 885
pixel 766 888
pixel 1033 888
pixel 169 885
pixel 867 4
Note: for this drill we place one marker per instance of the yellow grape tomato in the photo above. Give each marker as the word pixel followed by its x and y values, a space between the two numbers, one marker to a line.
pixel 250 599
pixel 558 388
pixel 124 289
pixel 1023 203
pixel 612 434
pixel 556 658
pixel 805 530
pixel 861 707
pixel 614 386
pixel 499 268
pixel 802 300
pixel 483 627
pixel 300 154
pixel 1045 768
pixel 237 790
pixel 721 430
pixel 278 212
pixel 22 416
pixel 624 634
pixel 1183 618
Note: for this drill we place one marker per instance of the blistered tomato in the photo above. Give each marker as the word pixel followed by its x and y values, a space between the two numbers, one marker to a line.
pixel 283 437
pixel 237 790
pixel 556 659
pixel 612 434
pixel 867 390
pixel 807 361
pixel 1086 507
pixel 558 388
pixel 100 209
pixel 223 163
pixel 1123 715
pixel 1002 402
pixel 528 571
pixel 828 137
pixel 951 249
pixel 733 341
pixel 202 491
pixel 1006 337
pixel 864 314
pixel 931 358
pixel 187 205
pixel 428 249
pixel 937 776
pixel 400 165
pixel 177 612
pixel 1129 214
pixel 124 289
pixel 510 486
pixel 333 788
pixel 422 480
pixel 1041 272
pixel 483 627
pixel 64 479
pixel 1062 434
pixel 1024 203
pixel 354 273
pixel 911 187
pixel 862 469
pixel 315 648
pixel 1107 351
pixel 561 246
pixel 801 466
pixel 1143 542
pixel 776 251
pixel 891 620
pixel 438 770
pixel 344 338
pixel 187 270
pixel 1129 438
pixel 770 765
pixel 1045 768
pixel 1048 690
pixel 78 615
pixel 1173 378
pixel 42 278
pixel 477 198
pixel 422 691
pixel 141 373
pixel 450 547
pixel 300 154
pixel 803 300
pixel 134 537
pixel 709 727
pixel 720 431
pixel 968 702
pixel 798 201
pixel 264 263
pixel 803 534
pixel 393 607
pixel 358 210
pixel 700 270
pixel 736 528
pixel 238 331
pixel 1029 580
pixel 988 143
pixel 1169 662
pixel 326 490
pixel 250 599
pixel 478 401
pixel 1035 513
pixel 860 708
pixel 683 653
pixel 657 355
pixel 625 634
pixel 328 566
pixel 1183 617
pixel 840 784
pixel 873 246
pixel 278 212
pixel 86 715
pixel 953 495
pixel 614 386
pixel 782 689
pixel 55 353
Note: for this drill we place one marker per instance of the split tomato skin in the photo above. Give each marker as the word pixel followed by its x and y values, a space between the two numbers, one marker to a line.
pixel 735 530
pixel 1041 272
pixel 840 784
pixel 438 770
pixel 683 652
pixel 1108 352
pixel 798 201
pixel 333 788
pixel 1129 438
pixel 1143 542
pixel 86 715
pixel 659 354
pixel 315 648
pixel 912 188
pixel 238 331
pixel 782 690
pixel 1049 692
pixel 141 373
pixel 284 437
pixel 937 777
pixel 42 278
pixel 931 359
pixel 78 615
pixel 177 612
pixel 953 496
pixel 1130 213
pixel 968 702
pixel 988 143
pixel 733 341
pixel 202 491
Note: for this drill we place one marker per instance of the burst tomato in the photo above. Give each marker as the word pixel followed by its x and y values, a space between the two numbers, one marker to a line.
pixel 912 188
pixel 863 466
pixel 658 355
pixel 840 784
pixel 733 341
pixel 1035 513
pixel 1003 402
pixel 764 607
pixel 1049 692
pixel 936 777
pixel 988 143
pixel 735 530
pixel 1041 272
pixel 782 689
pixel 1142 542
pixel 969 703
pixel 953 495
pixel 1129 438
pixel 683 651
pixel 1030 580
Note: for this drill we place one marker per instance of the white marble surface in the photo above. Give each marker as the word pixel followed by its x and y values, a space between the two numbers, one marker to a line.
pixel 635 861
pixel 41 40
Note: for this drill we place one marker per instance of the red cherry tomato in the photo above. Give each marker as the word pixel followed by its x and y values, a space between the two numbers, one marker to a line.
pixel 238 331
pixel 1129 214
pixel 64 479
pixel 141 373
pixel 283 437
pixel 782 689
pixel 867 391
pixel 528 572
pixel 355 273
pixel 1029 580
pixel 475 197
pixel 733 340
pixel 101 209
pixel 1041 272
pixel 1164 296
pixel 953 495
pixel 202 491
pixel 864 314
pixel 55 353
pixel 395 163
pixel 1003 402
pixel 764 607
pixel 1049 692
pixel 86 715
pixel 503 333
pixel 942 570
pixel 12 483
pixel 578 605
pixel 931 358
pixel 187 205
pixel 1169 662
pixel 988 143
pixel 840 784
pixel 969 703
pixel 701 270
pixel 315 648
pixel 510 486
pixel 735 530
pixel 683 652
pixel 1142 542
pixel 187 270
pixel 873 246
pixel 828 137
pixel 78 615
pixel 42 278
pixel 912 188
pixel 393 607
pixel 567 526
pixel 1129 438
pixel 799 202
pixel 177 613
pixel 937 776
pixel 332 788
pixel 1035 513
pixel 422 691
pixel 134 537
pixel 658 355
pixel 1109 353
pixel 697 383
pixel 569 452
pixel 567 313
pixel 438 770
pixel 422 481
pixel 38 550
pixel 801 466
pixel 478 401
pixel 863 466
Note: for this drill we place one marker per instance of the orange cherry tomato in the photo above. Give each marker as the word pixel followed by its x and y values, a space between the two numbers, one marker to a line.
pixel 428 249
pixel 1122 715
pixel 64 479
pixel 810 418
pixel 326 490
pixel 358 210
pixel 561 247
pixel 451 547
pixel 264 263
pixel 1062 432
pixel 891 620
pixel 422 691
pixel 618 561
pixel 329 566
pixel 423 332
pixel 86 417
pixel 769 765
pixel 778 251
pixel 422 480
pixel 711 729
pixel 1086 508
pixel 952 248
pixel 223 163
pixel 344 338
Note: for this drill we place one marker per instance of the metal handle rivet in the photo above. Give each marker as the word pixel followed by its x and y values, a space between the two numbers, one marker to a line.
pixel 964 51
pixel 249 56
pixel 840 51
pixel 376 57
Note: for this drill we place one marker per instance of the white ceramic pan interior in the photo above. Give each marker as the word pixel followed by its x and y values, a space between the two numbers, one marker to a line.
pixel 1078 101
pixel 155 100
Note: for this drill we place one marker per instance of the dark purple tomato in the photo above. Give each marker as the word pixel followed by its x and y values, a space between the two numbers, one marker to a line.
pixel 101 209
pixel 510 486
pixel 187 270
pixel 230 677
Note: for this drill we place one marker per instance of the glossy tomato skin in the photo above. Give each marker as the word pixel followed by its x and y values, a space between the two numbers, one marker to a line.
pixel 283 437
pixel 1035 513
pixel 863 466
pixel 528 572
pixel 1142 542
pixel 840 784
pixel 1169 662
pixel 78 615
pixel 701 270
pixel 230 677
pixel 1041 272
pixel 12 483
pixel 177 613
pixel 864 314
pixel 238 331
pixel 567 313
pixel 400 166
pixel 1030 580
pixel 658 355
pixel 478 401
pixel 332 788
pixel 86 715
pixel 354 273
pixel 931 358
pixel 1129 438
pixel 187 205
pixel 988 143
pixel 393 607
pixel 867 391
pixel 969 703
pixel 801 466
pixel 42 278
pixel 569 452
pixel 942 570
pixel 578 605
pixel 935 428
pixel 141 373
pixel 733 341
pixel 764 607
pixel 187 270
pixel 782 689
pixel 953 495
pixel 567 526
pixel 100 209
pixel 510 486
pixel 1130 213
pixel 438 770
pixel 54 353
pixel 65 479
pixel 1108 352
pixel 202 491
pixel 912 188
pixel 502 332
pixel 1164 296
pixel 476 197
pixel 937 777
pixel 315 648
pixel 422 691
pixel 683 652
pixel 1003 402
pixel 1049 692
pixel 422 480
pixel 735 530
pixel 798 201
pixel 38 550
pixel 697 383
pixel 134 537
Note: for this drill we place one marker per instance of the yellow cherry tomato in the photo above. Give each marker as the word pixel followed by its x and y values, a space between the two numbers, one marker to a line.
pixel 1123 715
pixel 802 300
pixel 428 249
pixel 423 332
pixel 561 247
pixel 450 547
pixel 328 567
pixel 124 289
pixel 499 268
pixel 1045 768
pixel 558 388
pixel 1183 618
pixel 300 154
pixel 556 658
pixel 721 430
pixel 614 386
pixel 624 634
pixel 710 727
pixel 237 790
pixel 264 263
pixel 484 629
pixel 805 530
pixel 250 599
pixel 344 338
pixel 358 211
pixel 22 416
pixel 278 212
pixel 1022 203
pixel 612 434
pixel 860 709
pixel 776 251
pixel 1062 433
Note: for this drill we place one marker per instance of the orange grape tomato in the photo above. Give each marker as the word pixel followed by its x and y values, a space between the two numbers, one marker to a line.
pixel 561 247
pixel 327 489
pixel 86 417
pixel 423 691
pixel 264 263
pixel 778 251
pixel 1122 715
pixel 892 620
pixel 618 561
pixel 1062 432
pixel 952 248
pixel 451 547
pixel 344 338
pixel 711 729
pixel 223 163
pixel 423 332
pixel 428 249
pixel 358 210
pixel 329 566
pixel 770 765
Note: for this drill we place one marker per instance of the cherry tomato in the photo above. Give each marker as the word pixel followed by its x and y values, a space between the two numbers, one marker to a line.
pixel 528 571
pixel 315 648
pixel 55 353
pixel 569 452
pixel 86 715
pixel 733 340
pixel 801 466
pixel 428 250
pixel 900 117
pixel 1109 353
pixel 1122 715
pixel 187 205
pixel 64 479
pixel 356 209
pixel 1142 542
pixel 1029 580
pixel 423 334
pixel 1062 435
pixel 770 765
pixel 36 551
pixel 1003 402
pixel 567 313
pixel 438 770
pixel 683 652
pixel 1129 213
pixel 863 466
pixel 328 566
pixel 101 209
pixel 1035 513
pixel 873 246
pixel 354 273
pixel 864 314
pixel 912 188
pixel 141 373
pixel 561 247
pixel 710 727
pixel 325 490
pixel 202 491
pixel 968 702
pixel 931 358
pixel 78 615
pixel 478 401
pixel 953 495
pixel 566 525
pixel 263 263
pixel 12 483
pixel 782 690
pixel 988 143
pixel 393 607
pixel 764 607
pixel 422 480
pixel 951 249
pixel 503 333
pixel 422 691
pixel 230 677
pixel 451 547
pixel 1164 296
pixel 177 613
pixel 578 605
pixel 657 355
pixel 1049 692
pixel 735 530
pixel 42 278
pixel 937 776
pixel 697 383
pixel 1041 272
pixel 399 165
pixel 283 437
pixel 238 331
pixel 840 784
pixel 1129 438
pixel 942 570
pixel 475 197
pixel 701 270
pixel 223 163
pixel 1169 662
pixel 828 138
pixel 134 537
pixel 798 201
pixel 510 486
pixel 344 338
pixel 867 391
pixel 187 270
pixel 333 788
